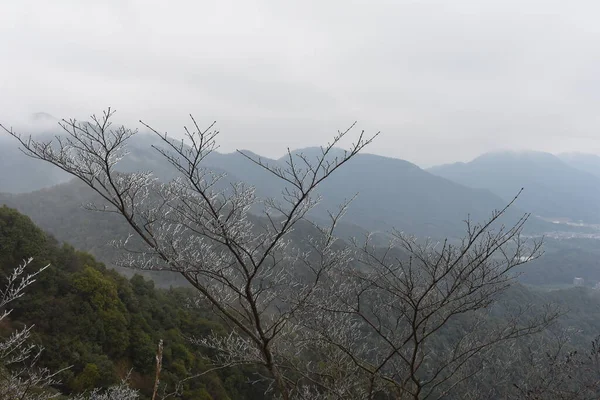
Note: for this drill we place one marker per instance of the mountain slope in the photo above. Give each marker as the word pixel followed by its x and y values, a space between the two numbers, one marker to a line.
pixel 104 325
pixel 553 189
pixel 21 174
pixel 582 161
pixel 391 193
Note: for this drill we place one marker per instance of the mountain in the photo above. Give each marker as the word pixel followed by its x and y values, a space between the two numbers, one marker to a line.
pixel 43 117
pixel 59 211
pixel 582 161
pixel 553 189
pixel 20 173
pixel 391 193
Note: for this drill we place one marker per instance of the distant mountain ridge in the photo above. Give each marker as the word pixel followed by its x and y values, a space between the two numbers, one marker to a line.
pixel 391 193
pixel 582 161
pixel 553 188
pixel 21 174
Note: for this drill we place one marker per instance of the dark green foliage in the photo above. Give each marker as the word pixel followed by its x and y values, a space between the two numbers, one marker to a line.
pixel 105 325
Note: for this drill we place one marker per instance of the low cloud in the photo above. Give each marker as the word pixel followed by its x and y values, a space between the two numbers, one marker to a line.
pixel 442 80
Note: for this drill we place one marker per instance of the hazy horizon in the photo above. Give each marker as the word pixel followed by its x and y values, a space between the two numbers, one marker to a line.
pixel 43 122
pixel 442 81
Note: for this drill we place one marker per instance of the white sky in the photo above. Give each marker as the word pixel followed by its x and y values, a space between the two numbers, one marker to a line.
pixel 443 80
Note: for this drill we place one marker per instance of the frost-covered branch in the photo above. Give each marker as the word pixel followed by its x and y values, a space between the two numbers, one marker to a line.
pixel 246 266
pixel 322 319
pixel 20 377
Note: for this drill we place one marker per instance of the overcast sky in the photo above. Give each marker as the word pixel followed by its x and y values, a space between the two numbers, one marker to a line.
pixel 442 80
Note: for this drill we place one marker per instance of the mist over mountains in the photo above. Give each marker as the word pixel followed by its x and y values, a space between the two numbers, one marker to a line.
pixel 554 188
pixel 582 161
pixel 451 252
pixel 387 193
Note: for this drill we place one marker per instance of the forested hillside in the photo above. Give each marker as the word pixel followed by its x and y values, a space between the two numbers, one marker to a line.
pixel 104 325
pixel 60 211
pixel 107 327
pixel 564 260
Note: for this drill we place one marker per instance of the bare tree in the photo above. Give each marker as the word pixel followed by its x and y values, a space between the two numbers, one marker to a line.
pixel 321 319
pixel 405 311
pixel 238 263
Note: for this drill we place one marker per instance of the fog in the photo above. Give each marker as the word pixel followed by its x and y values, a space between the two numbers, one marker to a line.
pixel 443 81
